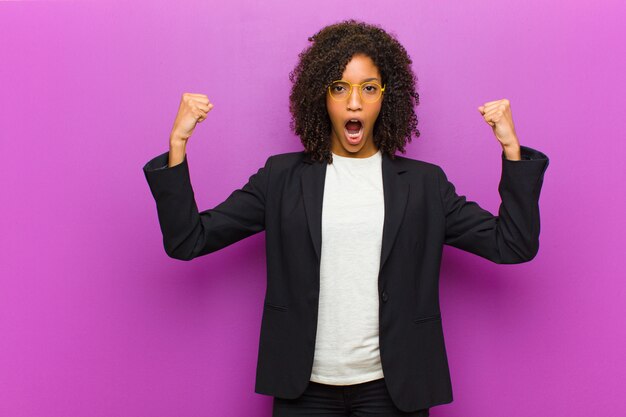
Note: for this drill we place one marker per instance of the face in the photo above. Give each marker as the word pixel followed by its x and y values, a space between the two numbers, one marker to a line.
pixel 361 68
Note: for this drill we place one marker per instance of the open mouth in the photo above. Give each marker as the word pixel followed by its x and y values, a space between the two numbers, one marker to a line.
pixel 353 131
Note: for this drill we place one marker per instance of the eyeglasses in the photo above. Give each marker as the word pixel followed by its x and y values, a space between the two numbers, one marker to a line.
pixel 369 91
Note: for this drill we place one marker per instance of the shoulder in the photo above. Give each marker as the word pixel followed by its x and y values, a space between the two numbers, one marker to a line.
pixel 416 166
pixel 287 158
pixel 286 164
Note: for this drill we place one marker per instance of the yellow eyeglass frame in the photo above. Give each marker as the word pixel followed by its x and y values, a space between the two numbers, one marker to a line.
pixel 382 90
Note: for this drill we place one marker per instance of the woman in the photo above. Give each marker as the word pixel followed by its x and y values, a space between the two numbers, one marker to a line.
pixel 354 234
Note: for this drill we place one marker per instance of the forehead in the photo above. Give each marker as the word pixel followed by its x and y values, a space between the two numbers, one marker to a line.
pixel 360 68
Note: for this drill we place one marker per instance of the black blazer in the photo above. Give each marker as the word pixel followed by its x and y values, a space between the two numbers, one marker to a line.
pixel 422 213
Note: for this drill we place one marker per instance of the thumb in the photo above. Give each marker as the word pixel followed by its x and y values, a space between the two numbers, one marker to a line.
pixel 481 109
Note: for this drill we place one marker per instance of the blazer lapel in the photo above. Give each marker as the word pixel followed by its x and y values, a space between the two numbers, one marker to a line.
pixel 396 196
pixel 312 179
pixel 395 193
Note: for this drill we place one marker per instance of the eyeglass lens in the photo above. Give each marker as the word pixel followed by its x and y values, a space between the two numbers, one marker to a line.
pixel 340 90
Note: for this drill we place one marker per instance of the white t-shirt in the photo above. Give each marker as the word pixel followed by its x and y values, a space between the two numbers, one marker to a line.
pixel 346 345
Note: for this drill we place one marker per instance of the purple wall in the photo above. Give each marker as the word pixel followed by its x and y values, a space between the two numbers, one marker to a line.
pixel 96 320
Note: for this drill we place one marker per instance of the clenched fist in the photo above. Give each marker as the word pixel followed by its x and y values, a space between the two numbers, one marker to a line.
pixel 192 110
pixel 498 115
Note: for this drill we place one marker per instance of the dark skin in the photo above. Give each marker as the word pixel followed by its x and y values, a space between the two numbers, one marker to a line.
pixel 359 69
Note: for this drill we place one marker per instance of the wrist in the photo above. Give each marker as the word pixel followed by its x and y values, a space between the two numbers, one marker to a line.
pixel 177 151
pixel 512 152
pixel 177 141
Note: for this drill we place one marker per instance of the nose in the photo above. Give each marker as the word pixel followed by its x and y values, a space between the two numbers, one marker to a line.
pixel 354 101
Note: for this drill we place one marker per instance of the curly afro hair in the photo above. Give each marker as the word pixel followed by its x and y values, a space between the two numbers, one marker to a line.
pixel 325 61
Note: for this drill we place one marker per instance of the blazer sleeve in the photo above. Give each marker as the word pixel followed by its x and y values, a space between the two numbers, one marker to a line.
pixel 188 233
pixel 513 235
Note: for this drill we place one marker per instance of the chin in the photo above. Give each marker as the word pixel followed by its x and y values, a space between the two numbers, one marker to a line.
pixel 352 148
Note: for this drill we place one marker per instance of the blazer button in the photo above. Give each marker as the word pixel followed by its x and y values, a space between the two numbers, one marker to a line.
pixel 385 296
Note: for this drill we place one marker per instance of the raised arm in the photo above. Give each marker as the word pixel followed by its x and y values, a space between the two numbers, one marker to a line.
pixel 188 233
pixel 513 235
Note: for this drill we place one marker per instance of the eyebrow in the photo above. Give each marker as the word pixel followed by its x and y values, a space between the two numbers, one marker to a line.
pixel 368 79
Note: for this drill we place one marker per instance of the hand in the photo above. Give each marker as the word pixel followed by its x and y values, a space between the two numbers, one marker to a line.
pixel 192 110
pixel 498 115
